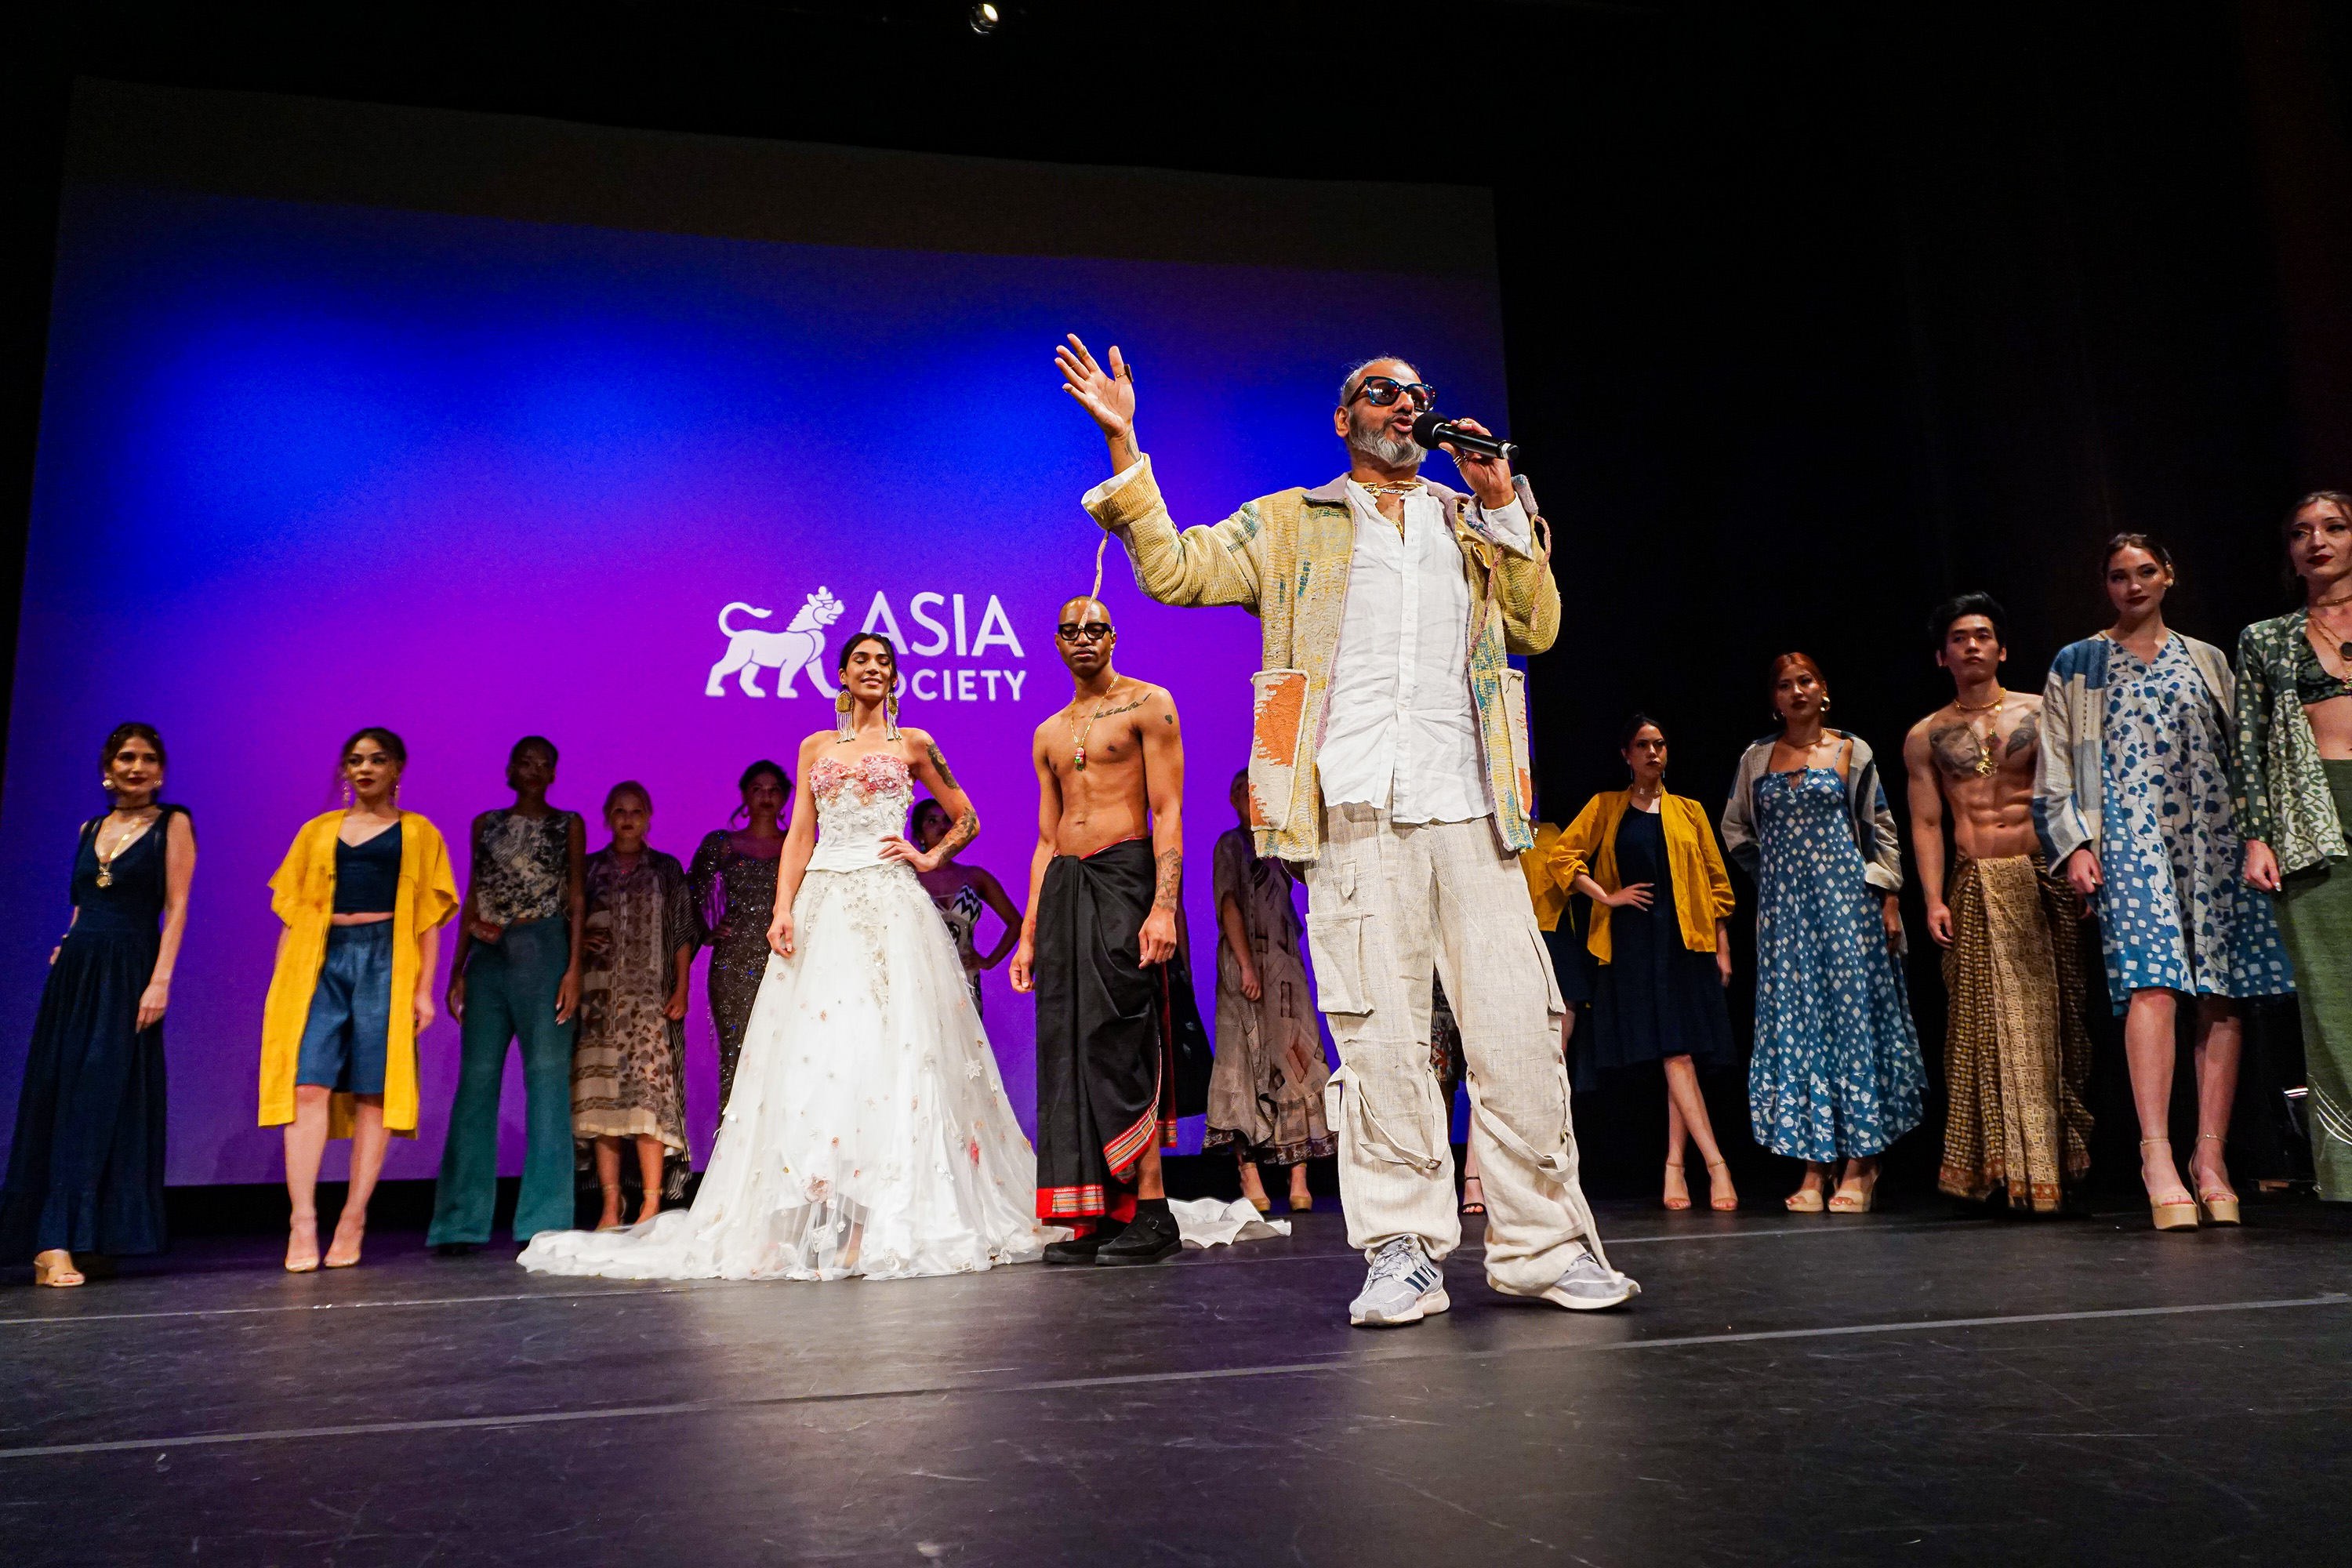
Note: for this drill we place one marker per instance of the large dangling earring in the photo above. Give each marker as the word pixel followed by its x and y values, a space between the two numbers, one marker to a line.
pixel 890 708
pixel 347 793
pixel 396 795
pixel 841 707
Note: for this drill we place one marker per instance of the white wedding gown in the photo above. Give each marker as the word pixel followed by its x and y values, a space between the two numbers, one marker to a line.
pixel 868 1133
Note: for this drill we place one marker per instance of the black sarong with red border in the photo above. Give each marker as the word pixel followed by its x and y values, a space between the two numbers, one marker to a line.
pixel 1121 1050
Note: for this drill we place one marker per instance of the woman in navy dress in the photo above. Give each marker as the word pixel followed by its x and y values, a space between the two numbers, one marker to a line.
pixel 85 1167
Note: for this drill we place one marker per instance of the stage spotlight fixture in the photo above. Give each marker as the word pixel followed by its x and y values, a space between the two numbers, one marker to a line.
pixel 985 19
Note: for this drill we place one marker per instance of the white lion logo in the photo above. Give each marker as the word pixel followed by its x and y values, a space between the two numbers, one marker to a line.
pixel 787 652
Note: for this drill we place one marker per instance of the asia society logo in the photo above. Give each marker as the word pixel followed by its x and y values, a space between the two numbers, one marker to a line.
pixel 800 648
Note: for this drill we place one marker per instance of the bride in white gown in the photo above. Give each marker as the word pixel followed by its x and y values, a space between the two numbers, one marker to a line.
pixel 868 1133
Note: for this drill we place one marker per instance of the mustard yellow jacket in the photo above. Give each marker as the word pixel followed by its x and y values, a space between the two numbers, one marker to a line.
pixel 302 894
pixel 1702 887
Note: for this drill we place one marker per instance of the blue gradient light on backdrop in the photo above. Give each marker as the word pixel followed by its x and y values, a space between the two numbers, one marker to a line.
pixel 304 467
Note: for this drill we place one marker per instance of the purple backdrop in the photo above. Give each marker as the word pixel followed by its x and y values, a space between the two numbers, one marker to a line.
pixel 304 467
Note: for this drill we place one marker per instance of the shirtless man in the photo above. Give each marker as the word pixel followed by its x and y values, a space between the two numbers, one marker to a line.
pixel 2016 1054
pixel 1098 947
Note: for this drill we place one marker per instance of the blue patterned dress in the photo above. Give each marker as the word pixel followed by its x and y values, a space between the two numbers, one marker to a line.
pixel 2174 913
pixel 1836 1072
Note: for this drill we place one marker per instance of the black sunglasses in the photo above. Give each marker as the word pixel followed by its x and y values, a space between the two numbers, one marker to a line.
pixel 1071 631
pixel 1379 391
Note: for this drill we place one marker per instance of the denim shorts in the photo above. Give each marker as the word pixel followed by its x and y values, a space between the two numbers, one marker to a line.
pixel 348 1036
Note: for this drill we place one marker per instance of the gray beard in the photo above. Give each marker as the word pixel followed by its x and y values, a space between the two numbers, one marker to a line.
pixel 1385 450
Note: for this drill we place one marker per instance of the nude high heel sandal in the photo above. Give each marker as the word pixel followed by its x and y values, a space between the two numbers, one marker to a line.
pixel 2218 1207
pixel 2178 1215
pixel 1673 1201
pixel 1721 1206
pixel 55 1267
pixel 611 1191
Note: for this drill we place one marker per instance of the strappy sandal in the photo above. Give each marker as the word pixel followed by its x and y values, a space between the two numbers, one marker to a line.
pixel 2170 1213
pixel 2218 1205
pixel 611 1191
pixel 1721 1206
pixel 1477 1205
pixel 1672 1202
pixel 63 1275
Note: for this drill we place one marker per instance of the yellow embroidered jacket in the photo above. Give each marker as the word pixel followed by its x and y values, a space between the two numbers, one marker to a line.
pixel 1284 559
pixel 1702 886
pixel 302 894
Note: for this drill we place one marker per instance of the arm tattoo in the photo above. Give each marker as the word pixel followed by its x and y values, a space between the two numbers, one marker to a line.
pixel 1172 880
pixel 966 829
pixel 947 774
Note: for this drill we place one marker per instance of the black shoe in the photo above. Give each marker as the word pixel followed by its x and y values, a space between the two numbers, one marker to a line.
pixel 1151 1238
pixel 1078 1250
pixel 457 1249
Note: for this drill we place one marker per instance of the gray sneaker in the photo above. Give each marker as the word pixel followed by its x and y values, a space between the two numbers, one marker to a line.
pixel 1587 1286
pixel 1403 1287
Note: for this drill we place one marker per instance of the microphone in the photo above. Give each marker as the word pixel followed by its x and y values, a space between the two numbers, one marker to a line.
pixel 1433 428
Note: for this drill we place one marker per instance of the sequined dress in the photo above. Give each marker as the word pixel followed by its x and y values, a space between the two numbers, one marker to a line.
pixel 868 1133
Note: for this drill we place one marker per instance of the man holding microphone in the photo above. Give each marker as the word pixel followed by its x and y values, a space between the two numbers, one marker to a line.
pixel 1388 759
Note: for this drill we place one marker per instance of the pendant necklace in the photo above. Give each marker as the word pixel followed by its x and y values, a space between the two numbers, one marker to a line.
pixel 2343 649
pixel 106 861
pixel 1986 759
pixel 1079 736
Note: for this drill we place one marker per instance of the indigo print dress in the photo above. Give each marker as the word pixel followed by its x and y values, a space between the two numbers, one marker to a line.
pixel 1836 1072
pixel 2175 913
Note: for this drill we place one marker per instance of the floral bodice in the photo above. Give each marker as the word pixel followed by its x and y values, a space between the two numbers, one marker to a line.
pixel 858 803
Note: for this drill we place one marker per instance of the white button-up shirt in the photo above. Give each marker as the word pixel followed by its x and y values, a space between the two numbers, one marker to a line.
pixel 1399 730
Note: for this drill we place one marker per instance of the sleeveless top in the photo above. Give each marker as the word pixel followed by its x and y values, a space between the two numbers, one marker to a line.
pixel 367 875
pixel 523 865
pixel 858 805
pixel 132 902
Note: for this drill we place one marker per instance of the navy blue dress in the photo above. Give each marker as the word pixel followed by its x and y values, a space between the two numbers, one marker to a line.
pixel 86 1168
pixel 1655 998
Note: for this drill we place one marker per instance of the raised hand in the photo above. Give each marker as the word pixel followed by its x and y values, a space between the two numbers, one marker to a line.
pixel 1108 395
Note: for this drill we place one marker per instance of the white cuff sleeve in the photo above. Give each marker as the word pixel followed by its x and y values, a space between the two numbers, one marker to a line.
pixel 1508 525
pixel 1110 486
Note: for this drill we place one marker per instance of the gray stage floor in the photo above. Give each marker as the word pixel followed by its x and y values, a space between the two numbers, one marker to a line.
pixel 1912 1387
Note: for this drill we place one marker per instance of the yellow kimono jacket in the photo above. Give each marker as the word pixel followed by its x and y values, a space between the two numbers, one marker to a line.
pixel 302 894
pixel 1702 887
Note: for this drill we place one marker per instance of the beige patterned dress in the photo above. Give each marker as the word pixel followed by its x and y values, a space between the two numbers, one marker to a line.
pixel 629 1068
pixel 1266 1094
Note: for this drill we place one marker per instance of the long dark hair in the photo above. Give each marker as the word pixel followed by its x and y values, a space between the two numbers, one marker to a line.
pixel 2287 579
pixel 762 766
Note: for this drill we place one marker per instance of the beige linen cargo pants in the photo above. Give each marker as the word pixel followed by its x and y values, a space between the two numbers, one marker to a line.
pixel 1387 905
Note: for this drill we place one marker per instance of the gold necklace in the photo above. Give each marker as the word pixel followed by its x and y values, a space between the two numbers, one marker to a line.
pixel 105 861
pixel 1078 737
pixel 1389 487
pixel 1987 757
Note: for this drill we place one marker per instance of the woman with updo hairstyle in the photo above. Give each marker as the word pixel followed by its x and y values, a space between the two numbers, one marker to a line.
pixel 732 881
pixel 1660 934
pixel 2294 784
pixel 2132 796
pixel 363 891
pixel 86 1165
pixel 1836 1072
